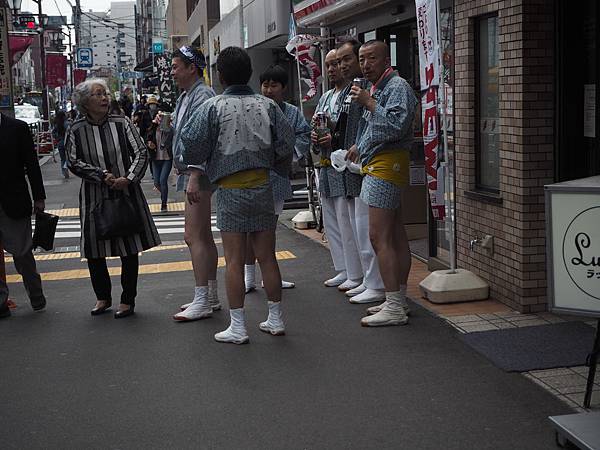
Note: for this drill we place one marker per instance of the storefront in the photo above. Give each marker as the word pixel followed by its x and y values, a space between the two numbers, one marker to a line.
pixel 395 23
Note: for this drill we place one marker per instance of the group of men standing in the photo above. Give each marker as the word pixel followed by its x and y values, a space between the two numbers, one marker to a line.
pixel 372 120
pixel 240 145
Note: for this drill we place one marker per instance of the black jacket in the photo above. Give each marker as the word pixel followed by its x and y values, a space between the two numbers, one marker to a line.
pixel 18 158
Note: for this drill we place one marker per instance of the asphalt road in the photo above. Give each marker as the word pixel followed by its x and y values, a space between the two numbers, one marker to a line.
pixel 72 381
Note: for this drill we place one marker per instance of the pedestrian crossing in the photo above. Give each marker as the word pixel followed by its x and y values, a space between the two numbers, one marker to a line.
pixel 71 228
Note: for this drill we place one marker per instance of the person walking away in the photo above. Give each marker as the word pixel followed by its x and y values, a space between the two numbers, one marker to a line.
pixel 242 136
pixel 371 289
pixel 159 141
pixel 337 189
pixel 59 131
pixel 187 68
pixel 19 172
pixel 383 145
pixel 273 83
pixel 109 156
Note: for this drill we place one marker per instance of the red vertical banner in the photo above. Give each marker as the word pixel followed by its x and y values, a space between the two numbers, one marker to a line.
pixel 429 65
pixel 56 70
pixel 79 76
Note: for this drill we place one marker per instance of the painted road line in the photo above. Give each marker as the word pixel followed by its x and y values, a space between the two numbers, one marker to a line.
pixel 74 212
pixel 145 269
pixel 76 255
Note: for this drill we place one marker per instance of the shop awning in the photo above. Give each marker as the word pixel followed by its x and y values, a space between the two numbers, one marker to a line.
pixel 144 66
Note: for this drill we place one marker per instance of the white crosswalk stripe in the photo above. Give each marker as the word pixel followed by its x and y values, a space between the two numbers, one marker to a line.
pixel 70 228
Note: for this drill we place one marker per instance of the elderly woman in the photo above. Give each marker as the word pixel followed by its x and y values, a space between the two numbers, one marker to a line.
pixel 107 153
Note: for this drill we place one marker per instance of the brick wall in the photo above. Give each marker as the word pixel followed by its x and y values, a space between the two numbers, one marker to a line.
pixel 516 268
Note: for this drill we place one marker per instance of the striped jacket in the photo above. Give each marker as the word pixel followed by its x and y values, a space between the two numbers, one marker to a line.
pixel 113 145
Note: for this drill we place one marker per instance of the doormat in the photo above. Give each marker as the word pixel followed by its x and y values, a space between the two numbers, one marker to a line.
pixel 533 348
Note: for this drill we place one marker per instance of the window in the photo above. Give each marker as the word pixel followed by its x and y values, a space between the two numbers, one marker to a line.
pixel 487 104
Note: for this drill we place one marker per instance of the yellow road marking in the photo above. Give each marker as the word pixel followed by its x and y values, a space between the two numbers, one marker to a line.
pixel 181 266
pixel 76 255
pixel 74 212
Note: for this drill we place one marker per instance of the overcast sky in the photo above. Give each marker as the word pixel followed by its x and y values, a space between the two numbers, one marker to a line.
pixel 55 7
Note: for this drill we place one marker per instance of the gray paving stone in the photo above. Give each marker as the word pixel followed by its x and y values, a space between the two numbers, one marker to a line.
pixel 578 399
pixel 478 327
pixel 551 372
pixel 562 382
pixel 529 323
pixel 503 325
pixel 464 319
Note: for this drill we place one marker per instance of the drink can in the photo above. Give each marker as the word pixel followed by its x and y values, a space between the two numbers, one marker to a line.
pixel 360 82
pixel 165 123
pixel 321 120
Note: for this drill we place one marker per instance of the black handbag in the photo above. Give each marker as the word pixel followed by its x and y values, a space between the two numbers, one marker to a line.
pixel 116 217
pixel 45 228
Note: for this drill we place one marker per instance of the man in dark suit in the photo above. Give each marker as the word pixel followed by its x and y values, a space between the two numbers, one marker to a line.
pixel 19 163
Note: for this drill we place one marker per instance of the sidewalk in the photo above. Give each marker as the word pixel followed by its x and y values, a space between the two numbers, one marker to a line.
pixel 567 384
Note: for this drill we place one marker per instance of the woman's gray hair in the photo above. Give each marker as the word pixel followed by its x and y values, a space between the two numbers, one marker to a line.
pixel 83 92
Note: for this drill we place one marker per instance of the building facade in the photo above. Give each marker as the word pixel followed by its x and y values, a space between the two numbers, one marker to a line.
pixel 521 77
pixel 123 14
pixel 99 34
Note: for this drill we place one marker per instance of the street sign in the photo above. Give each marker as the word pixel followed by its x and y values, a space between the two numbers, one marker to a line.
pixel 131 75
pixel 157 48
pixel 85 57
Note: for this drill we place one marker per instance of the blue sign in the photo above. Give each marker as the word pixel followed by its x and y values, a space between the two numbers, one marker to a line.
pixel 85 58
pixel 157 47
pixel 132 75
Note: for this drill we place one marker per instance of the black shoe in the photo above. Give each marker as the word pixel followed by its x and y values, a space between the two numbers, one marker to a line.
pixel 125 313
pixel 101 310
pixel 164 208
pixel 4 310
pixel 38 303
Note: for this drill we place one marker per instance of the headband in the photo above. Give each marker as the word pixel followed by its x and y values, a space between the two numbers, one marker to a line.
pixel 195 58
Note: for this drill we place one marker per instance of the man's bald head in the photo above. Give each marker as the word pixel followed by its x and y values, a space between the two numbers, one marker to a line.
pixel 332 67
pixel 381 47
pixel 374 59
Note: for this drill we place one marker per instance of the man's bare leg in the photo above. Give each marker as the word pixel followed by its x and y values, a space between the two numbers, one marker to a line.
pixel 389 240
pixel 203 251
pixel 250 270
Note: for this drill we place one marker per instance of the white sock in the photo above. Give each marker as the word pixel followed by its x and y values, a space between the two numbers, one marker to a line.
pixel 200 292
pixel 402 292
pixel 250 275
pixel 274 311
pixel 394 300
pixel 212 289
pixel 238 321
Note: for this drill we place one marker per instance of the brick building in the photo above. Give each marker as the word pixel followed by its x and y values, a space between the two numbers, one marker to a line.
pixel 522 78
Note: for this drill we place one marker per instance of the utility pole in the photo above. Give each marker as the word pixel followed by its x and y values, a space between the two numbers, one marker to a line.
pixel 6 93
pixel 77 22
pixel 119 58
pixel 45 109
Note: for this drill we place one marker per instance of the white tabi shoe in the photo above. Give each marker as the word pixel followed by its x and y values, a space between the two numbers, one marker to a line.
pixel 349 284
pixel 236 332
pixel 357 290
pixel 392 313
pixel 274 323
pixel 198 309
pixel 214 303
pixel 368 296
pixel 337 280
pixel 375 309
